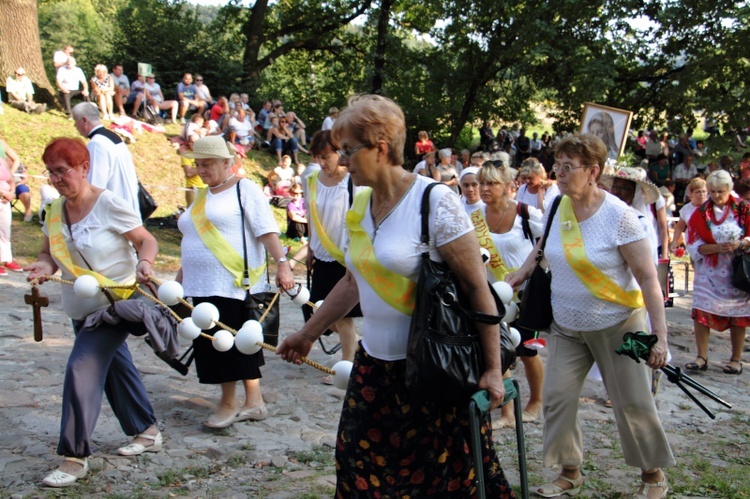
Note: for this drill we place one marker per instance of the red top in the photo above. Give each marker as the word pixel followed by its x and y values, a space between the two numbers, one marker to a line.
pixel 425 146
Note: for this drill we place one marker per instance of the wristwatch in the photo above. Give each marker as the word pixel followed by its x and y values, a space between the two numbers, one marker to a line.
pixel 281 260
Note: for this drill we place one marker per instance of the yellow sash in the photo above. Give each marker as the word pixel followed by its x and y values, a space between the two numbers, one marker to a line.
pixel 219 247
pixel 59 251
pixel 497 264
pixel 594 279
pixel 396 290
pixel 312 191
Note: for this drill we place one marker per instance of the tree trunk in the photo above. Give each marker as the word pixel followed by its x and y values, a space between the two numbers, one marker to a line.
pixel 384 16
pixel 462 118
pixel 20 46
pixel 253 30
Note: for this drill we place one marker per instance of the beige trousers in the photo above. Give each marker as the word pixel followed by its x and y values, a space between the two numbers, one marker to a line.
pixel 571 354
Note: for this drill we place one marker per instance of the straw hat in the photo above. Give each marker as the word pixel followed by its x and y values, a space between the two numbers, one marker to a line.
pixel 648 189
pixel 210 147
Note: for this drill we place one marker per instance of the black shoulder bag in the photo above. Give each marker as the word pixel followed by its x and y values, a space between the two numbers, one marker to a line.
pixel 741 262
pixel 536 299
pixel 256 304
pixel 444 359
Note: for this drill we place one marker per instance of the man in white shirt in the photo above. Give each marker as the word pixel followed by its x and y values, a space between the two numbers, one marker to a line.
pixel 111 165
pixel 685 171
pixel 60 58
pixel 21 93
pixel 330 119
pixel 122 88
pixel 70 79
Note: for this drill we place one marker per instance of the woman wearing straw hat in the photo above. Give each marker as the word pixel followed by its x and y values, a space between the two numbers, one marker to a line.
pixel 213 264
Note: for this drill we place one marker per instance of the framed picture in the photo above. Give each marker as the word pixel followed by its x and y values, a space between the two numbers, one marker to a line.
pixel 609 124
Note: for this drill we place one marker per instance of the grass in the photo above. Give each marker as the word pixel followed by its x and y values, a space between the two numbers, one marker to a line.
pixel 318 457
pixel 157 164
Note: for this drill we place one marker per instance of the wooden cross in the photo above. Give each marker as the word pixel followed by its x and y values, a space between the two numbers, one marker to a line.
pixel 37 300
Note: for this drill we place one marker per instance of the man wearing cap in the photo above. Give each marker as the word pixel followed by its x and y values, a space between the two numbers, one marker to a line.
pixel 187 94
pixel 111 164
pixel 21 93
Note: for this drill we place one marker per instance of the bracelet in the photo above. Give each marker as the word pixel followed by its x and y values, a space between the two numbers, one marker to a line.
pixel 144 260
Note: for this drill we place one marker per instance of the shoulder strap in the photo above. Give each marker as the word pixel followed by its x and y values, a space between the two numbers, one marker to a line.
pixel 523 210
pixel 552 211
pixel 350 188
pixel 425 211
pixel 106 133
pixel 246 272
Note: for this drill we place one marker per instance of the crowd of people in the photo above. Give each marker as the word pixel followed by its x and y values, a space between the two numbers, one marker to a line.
pixel 355 209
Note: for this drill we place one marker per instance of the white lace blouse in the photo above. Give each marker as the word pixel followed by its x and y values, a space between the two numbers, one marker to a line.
pixel 573 306
pixel 385 331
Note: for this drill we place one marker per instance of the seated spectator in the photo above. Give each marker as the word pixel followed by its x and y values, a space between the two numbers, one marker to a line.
pixel 659 171
pixel 423 145
pixel 426 166
pixel 241 129
pixel 221 112
pixel 281 140
pixel 71 82
pixel 193 181
pixel 137 94
pixel 296 216
pixel 47 194
pixel 681 149
pixel 276 111
pixel 297 127
pixel 203 91
pixel 683 174
pixel 245 102
pixel 60 58
pixel 193 130
pixel 187 94
pixel 745 166
pixel 155 97
pixel 103 88
pixel 333 113
pixel 22 190
pixel 285 173
pixel 21 93
pixel 263 115
pixel 122 88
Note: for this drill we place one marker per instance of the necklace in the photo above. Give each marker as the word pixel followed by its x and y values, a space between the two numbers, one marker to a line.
pixel 224 182
pixel 384 205
pixel 712 215
pixel 497 227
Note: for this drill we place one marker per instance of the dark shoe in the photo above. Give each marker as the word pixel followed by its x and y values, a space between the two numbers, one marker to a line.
pixel 729 369
pixel 694 366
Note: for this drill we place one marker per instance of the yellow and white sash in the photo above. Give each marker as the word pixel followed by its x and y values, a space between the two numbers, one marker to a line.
pixel 497 264
pixel 594 279
pixel 325 240
pixel 396 290
pixel 220 247
pixel 59 251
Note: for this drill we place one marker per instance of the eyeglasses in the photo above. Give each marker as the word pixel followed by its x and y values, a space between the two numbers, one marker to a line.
pixel 566 168
pixel 20 74
pixel 348 153
pixel 59 174
pixel 199 79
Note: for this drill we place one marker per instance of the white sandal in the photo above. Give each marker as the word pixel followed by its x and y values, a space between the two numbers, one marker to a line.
pixel 552 490
pixel 61 479
pixel 135 449
pixel 645 487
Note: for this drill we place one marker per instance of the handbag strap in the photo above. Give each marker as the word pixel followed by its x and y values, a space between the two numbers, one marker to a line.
pixel 552 211
pixel 245 272
pixel 425 239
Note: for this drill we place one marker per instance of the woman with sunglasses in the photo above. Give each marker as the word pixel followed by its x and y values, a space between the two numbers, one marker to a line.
pixel 602 287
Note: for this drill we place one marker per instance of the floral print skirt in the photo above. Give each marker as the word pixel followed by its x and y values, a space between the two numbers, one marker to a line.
pixel 391 445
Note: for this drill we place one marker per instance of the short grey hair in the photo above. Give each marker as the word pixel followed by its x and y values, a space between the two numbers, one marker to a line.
pixel 720 178
pixel 86 110
pixel 445 153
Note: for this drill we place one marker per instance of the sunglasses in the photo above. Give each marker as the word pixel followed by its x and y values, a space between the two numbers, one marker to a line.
pixel 199 79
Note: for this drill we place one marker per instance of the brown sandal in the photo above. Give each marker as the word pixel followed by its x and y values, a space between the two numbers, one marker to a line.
pixel 694 366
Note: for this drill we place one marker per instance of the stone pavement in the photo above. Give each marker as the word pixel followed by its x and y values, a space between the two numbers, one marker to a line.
pixel 289 455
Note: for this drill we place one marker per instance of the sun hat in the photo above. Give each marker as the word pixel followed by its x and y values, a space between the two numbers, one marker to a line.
pixel 211 147
pixel 649 191
pixel 469 170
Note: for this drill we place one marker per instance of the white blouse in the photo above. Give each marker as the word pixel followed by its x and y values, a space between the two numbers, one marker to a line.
pixel 385 330
pixel 332 203
pixel 202 273
pixel 513 246
pixel 573 306
pixel 98 236
pixel 530 199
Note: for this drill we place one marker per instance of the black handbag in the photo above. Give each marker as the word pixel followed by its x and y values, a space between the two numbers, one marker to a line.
pixel 536 298
pixel 444 361
pixel 146 202
pixel 257 304
pixel 741 272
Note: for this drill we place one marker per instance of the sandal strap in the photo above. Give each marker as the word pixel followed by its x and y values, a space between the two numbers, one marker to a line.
pixel 147 437
pixel 646 486
pixel 82 461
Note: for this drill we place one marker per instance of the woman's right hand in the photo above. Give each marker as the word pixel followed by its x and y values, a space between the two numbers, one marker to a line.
pixel 295 347
pixel 517 278
pixel 38 270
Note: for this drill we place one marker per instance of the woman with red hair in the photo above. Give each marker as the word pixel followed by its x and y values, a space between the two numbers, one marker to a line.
pixel 91 231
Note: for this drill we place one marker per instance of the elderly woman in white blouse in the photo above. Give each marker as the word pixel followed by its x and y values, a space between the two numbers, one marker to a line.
pixel 602 287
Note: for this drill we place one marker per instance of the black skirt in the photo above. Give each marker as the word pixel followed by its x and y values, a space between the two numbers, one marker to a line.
pixel 325 276
pixel 214 367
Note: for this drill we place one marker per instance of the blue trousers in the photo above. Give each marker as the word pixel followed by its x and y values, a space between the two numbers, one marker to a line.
pixel 100 363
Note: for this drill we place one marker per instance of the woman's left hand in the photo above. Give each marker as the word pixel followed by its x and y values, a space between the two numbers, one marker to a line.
pixel 658 357
pixel 142 271
pixel 492 381
pixel 284 276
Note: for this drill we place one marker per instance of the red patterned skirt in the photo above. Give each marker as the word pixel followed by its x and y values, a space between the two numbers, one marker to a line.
pixel 390 445
pixel 717 322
